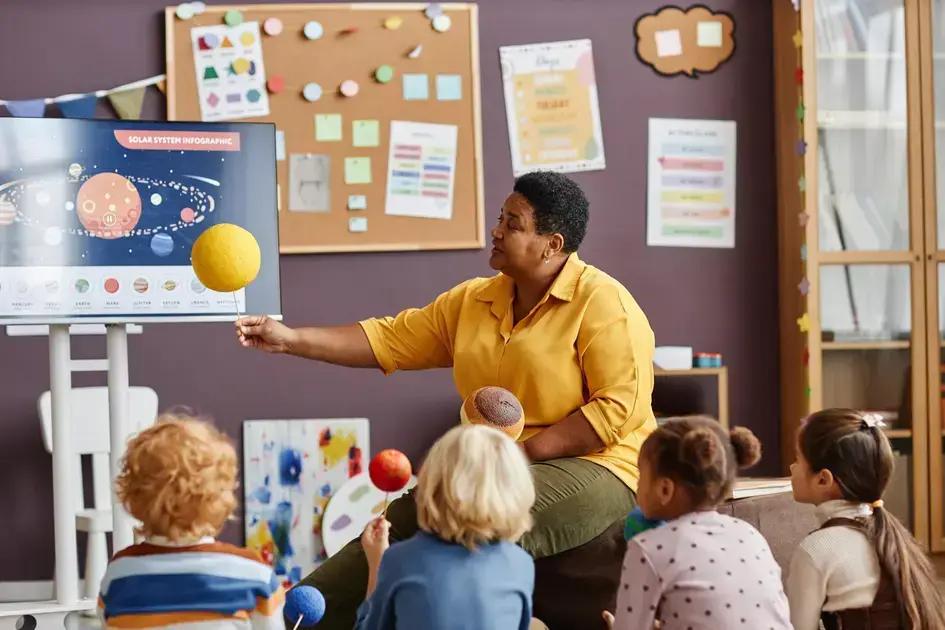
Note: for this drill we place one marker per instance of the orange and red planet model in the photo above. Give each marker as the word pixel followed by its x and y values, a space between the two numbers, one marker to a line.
pixel 390 470
pixel 495 407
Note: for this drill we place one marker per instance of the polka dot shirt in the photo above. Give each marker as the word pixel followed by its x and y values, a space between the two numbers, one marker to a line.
pixel 701 571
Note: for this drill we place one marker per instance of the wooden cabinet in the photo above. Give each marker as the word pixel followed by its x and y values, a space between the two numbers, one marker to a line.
pixel 860 119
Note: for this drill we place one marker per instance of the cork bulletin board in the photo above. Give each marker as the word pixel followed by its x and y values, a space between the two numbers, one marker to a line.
pixel 352 208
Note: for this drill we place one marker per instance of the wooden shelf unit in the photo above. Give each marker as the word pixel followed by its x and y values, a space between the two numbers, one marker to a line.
pixel 719 373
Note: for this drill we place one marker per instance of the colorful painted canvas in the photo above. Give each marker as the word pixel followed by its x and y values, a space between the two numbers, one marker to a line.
pixel 291 468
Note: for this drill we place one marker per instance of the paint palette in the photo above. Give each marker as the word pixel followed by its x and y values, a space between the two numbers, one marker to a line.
pixel 351 508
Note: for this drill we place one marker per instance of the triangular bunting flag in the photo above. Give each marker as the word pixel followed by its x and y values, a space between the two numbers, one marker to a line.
pixel 161 85
pixel 128 103
pixel 82 107
pixel 33 108
pixel 210 73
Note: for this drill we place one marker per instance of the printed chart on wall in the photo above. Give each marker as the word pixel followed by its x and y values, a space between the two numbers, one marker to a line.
pixel 691 183
pixel 292 468
pixel 551 106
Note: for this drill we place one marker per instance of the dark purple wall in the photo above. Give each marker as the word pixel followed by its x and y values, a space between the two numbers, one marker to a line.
pixel 716 300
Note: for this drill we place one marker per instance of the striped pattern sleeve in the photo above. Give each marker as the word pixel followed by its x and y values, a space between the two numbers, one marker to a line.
pixel 148 586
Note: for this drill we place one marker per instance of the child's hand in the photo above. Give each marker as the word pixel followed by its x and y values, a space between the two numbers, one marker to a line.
pixel 608 619
pixel 375 540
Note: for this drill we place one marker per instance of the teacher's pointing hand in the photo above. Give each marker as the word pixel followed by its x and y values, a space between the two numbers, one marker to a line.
pixel 264 333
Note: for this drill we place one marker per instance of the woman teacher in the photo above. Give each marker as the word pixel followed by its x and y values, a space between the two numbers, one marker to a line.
pixel 568 340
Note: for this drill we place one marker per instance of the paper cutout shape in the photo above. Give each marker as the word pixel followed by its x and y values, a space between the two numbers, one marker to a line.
pixel 280 145
pixel 82 107
pixel 309 183
pixel 449 87
pixel 802 219
pixel 800 111
pixel 709 34
pixel 357 224
pixel 416 87
pixel 800 148
pixel 210 73
pixel 226 43
pixel 240 65
pixel 803 323
pixel 328 127
pixel 213 100
pixel 674 41
pixel 247 39
pixel 357 202
pixel 416 52
pixel 804 286
pixel 358 170
pixel 804 253
pixel 802 184
pixel 806 358
pixel 202 44
pixel 127 104
pixel 253 95
pixel 31 108
pixel 366 133
pixel 799 76
pixel 235 97
pixel 668 43
pixel 798 39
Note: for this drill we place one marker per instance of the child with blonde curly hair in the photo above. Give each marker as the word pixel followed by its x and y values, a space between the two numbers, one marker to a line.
pixel 462 570
pixel 179 479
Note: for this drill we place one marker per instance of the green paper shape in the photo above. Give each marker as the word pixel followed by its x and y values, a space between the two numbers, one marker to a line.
pixel 802 184
pixel 449 87
pixel 210 73
pixel 358 170
pixel 328 127
pixel 366 133
pixel 800 112
pixel 384 74
pixel 233 17
pixel 416 87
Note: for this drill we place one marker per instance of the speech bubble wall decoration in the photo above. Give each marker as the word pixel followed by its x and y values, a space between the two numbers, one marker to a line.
pixel 693 41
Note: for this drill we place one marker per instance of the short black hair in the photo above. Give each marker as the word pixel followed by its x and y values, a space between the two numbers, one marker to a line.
pixel 559 205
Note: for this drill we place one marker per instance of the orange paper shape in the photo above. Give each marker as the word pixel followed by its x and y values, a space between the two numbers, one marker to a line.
pixel 676 41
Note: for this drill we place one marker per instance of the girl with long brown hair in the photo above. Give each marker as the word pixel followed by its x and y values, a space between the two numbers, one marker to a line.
pixel 862 568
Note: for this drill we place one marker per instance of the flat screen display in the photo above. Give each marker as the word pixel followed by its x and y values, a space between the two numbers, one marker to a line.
pixel 98 218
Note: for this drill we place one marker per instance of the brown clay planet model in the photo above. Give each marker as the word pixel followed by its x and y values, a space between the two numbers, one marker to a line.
pixel 495 407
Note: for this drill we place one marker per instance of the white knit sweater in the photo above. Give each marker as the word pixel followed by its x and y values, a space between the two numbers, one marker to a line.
pixel 832 569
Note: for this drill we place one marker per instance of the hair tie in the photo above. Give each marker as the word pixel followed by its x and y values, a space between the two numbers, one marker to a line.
pixel 873 421
pixel 878 503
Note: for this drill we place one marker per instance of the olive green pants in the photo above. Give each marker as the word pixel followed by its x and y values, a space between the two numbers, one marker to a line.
pixel 576 500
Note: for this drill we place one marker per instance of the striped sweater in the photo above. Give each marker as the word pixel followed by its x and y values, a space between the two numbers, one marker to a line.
pixel 205 586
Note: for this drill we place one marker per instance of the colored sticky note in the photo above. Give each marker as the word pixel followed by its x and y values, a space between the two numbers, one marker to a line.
pixel 668 43
pixel 449 87
pixel 357 224
pixel 366 133
pixel 358 170
pixel 709 34
pixel 280 144
pixel 357 202
pixel 416 87
pixel 328 127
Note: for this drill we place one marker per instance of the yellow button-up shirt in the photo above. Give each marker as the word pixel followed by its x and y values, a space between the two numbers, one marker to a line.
pixel 587 345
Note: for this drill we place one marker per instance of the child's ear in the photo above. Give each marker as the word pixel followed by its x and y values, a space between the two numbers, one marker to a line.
pixel 665 490
pixel 825 478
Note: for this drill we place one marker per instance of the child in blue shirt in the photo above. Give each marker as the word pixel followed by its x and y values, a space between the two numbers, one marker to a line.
pixel 462 570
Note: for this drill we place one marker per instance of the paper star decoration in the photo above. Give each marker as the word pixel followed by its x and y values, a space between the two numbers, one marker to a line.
pixel 804 286
pixel 800 148
pixel 802 218
pixel 799 112
pixel 807 391
pixel 799 76
pixel 802 184
pixel 804 253
pixel 798 39
pixel 797 4
pixel 806 357
pixel 803 323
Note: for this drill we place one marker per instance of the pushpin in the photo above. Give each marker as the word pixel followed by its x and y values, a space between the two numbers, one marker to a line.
pixel 384 74
pixel 275 83
pixel 433 10
pixel 442 23
pixel 312 92
pixel 351 30
pixel 393 23
pixel 313 30
pixel 416 52
pixel 185 11
pixel 272 26
pixel 233 17
pixel 349 88
pixel 198 7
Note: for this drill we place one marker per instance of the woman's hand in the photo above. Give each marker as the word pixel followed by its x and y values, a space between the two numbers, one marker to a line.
pixel 375 540
pixel 264 333
pixel 608 619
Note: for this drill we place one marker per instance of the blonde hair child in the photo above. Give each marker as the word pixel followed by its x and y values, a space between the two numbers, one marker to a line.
pixel 179 480
pixel 463 569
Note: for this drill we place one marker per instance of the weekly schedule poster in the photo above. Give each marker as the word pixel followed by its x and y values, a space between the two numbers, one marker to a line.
pixel 97 218
pixel 552 108
pixel 691 183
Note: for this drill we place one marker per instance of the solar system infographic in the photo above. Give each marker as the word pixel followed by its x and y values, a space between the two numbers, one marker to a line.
pixel 98 217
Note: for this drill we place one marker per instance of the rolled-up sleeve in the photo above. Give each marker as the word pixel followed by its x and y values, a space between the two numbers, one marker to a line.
pixel 616 354
pixel 417 338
